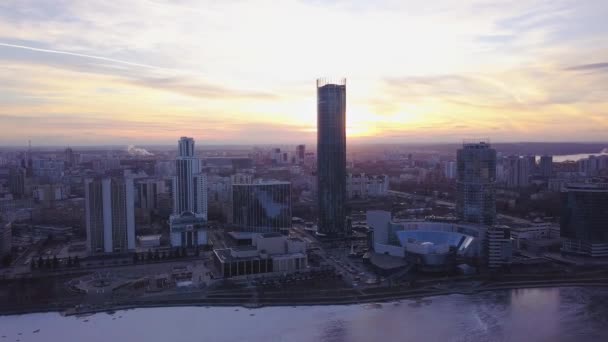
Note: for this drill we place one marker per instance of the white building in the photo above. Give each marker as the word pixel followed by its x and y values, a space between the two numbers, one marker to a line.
pixel 110 215
pixel 271 253
pixel 363 186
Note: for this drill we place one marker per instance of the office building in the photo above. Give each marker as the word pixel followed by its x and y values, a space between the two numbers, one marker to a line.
pixel 261 206
pixel 518 171
pixel 546 166
pixel 476 176
pixel 331 157
pixel 270 253
pixel 186 167
pixel 300 153
pixel 70 158
pixel 188 222
pixel 188 230
pixel 584 219
pixel 363 186
pixel 499 247
pixel 110 214
pixel 449 169
pixel 16 182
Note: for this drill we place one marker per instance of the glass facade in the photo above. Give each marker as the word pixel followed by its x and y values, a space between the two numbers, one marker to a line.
pixel 262 207
pixel 331 157
pixel 584 219
pixel 476 177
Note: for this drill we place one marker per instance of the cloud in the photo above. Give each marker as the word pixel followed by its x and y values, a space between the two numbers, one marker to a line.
pixel 244 71
pixel 589 67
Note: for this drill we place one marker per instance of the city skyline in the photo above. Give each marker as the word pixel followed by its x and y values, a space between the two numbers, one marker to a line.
pixel 239 73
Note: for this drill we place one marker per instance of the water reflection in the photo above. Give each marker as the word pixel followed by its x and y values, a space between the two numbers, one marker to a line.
pixel 568 314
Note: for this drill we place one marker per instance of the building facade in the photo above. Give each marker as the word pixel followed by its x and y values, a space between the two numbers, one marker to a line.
pixel 190 202
pixel 475 183
pixel 362 186
pixel 270 253
pixel 546 166
pixel 110 215
pixel 584 219
pixel 261 206
pixel 331 157
pixel 186 167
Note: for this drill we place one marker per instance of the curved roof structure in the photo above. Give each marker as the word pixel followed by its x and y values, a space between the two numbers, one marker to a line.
pixel 434 242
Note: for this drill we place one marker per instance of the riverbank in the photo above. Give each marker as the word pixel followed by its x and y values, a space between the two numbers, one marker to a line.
pixel 254 298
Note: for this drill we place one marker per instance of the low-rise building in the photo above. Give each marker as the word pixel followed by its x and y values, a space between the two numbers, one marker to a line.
pixel 188 230
pixel 271 253
pixel 362 186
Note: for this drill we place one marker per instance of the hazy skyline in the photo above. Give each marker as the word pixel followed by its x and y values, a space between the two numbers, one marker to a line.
pixel 148 72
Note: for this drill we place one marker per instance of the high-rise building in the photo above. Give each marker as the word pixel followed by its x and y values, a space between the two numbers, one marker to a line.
pixel 186 166
pixel 261 206
pixel 524 172
pixel 584 219
pixel 518 171
pixel 532 166
pixel 188 222
pixel 476 177
pixel 499 247
pixel 331 157
pixel 300 153
pixel 546 166
pixel 110 214
pixel 449 169
pixel 16 182
pixel 70 157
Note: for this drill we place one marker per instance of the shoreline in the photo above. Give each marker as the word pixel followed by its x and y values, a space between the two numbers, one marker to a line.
pixel 239 301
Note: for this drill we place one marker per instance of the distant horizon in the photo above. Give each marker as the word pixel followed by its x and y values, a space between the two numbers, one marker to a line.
pixel 270 145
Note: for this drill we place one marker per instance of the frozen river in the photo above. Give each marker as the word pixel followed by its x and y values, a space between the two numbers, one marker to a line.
pixel 560 314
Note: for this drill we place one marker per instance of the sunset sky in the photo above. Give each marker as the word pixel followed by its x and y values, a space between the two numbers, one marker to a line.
pixel 78 72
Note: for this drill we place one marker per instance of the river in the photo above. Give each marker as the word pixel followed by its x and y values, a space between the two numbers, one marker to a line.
pixel 577 157
pixel 558 314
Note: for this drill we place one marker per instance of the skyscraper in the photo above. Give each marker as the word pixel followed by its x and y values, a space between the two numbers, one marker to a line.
pixel 476 177
pixel 331 157
pixel 300 153
pixel 110 214
pixel 188 222
pixel 187 181
pixel 546 166
pixel 584 219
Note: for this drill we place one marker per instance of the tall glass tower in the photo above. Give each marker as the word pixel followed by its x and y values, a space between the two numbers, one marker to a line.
pixel 331 156
pixel 475 181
